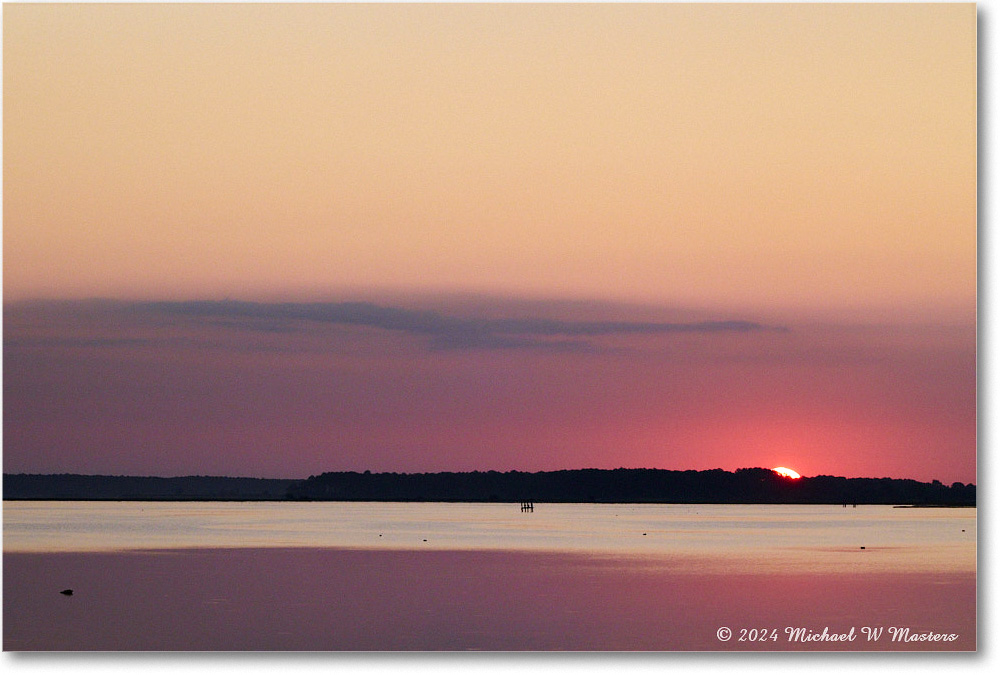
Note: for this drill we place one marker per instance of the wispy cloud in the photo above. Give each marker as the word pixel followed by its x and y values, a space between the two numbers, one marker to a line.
pixel 72 342
pixel 445 332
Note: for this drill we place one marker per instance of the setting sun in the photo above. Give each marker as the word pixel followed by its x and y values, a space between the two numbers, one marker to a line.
pixel 786 472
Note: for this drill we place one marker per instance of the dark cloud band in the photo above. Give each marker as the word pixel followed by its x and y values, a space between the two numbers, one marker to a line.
pixel 447 332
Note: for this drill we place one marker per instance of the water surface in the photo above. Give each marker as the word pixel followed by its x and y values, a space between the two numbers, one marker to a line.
pixel 809 537
pixel 378 576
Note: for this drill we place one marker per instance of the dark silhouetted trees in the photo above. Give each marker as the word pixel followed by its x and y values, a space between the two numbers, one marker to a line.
pixel 744 486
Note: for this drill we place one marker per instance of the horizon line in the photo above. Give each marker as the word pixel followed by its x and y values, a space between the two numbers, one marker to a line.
pixel 424 473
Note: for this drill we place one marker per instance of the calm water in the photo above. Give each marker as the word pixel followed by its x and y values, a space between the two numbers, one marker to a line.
pixel 827 538
pixel 355 576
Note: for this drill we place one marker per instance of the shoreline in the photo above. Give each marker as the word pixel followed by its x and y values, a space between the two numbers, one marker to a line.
pixel 572 486
pixel 896 505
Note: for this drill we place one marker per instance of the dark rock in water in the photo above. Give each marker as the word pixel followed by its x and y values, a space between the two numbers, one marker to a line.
pixel 68 591
pixel 862 548
pixel 644 534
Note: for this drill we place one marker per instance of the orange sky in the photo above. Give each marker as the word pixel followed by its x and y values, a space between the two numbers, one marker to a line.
pixel 674 236
pixel 770 157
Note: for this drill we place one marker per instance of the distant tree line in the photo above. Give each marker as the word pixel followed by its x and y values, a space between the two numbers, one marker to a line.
pixel 139 488
pixel 743 486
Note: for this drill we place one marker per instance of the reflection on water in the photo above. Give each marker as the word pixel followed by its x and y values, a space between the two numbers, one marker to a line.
pixel 390 576
pixel 320 599
pixel 714 537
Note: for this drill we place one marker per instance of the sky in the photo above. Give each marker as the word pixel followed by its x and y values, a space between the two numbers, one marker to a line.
pixel 276 240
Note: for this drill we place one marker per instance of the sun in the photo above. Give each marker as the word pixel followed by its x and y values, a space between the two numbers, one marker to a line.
pixel 786 472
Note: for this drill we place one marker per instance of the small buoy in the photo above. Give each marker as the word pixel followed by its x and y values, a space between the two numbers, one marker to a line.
pixel 68 591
